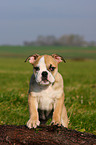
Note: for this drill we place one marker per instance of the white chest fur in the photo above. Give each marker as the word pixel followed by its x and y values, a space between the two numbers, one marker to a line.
pixel 46 96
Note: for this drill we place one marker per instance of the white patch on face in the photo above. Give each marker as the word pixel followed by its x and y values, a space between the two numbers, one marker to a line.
pixel 38 75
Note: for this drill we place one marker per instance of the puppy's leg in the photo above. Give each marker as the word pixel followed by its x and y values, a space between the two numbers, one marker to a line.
pixel 56 119
pixel 64 118
pixel 34 119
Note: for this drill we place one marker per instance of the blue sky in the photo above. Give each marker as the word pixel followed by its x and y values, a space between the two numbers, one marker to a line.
pixel 24 20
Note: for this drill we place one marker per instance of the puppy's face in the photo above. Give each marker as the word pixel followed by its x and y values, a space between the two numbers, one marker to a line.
pixel 45 68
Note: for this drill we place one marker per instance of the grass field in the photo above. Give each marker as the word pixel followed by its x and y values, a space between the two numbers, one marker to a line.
pixel 79 80
pixel 65 51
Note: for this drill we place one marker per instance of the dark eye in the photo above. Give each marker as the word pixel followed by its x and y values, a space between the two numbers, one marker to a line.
pixel 37 68
pixel 52 68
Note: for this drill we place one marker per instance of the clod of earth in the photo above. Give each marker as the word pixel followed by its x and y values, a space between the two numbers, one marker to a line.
pixel 43 135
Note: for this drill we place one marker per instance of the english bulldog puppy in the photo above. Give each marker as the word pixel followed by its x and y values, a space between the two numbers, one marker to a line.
pixel 46 91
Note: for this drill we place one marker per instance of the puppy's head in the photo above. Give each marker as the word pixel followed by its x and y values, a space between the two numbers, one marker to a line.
pixel 45 67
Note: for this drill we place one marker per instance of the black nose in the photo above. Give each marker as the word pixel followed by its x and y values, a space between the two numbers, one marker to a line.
pixel 44 74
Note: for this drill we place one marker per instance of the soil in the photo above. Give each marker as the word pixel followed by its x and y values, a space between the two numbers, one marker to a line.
pixel 43 135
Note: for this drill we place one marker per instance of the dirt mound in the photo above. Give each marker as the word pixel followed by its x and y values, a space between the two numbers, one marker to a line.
pixel 43 135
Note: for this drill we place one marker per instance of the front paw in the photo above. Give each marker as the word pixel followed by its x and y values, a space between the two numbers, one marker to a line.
pixel 56 121
pixel 33 123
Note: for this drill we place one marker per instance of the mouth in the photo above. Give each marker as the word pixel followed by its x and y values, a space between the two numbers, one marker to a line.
pixel 45 82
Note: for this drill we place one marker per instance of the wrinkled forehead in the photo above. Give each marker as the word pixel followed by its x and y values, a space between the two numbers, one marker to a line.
pixel 45 61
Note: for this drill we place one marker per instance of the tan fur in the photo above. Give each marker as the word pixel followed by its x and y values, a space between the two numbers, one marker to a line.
pixel 47 97
pixel 36 62
pixel 34 119
pixel 50 60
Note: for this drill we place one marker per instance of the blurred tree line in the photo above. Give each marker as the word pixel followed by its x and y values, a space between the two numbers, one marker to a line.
pixel 65 40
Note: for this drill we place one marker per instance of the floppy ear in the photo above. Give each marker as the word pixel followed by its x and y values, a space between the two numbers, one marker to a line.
pixel 32 58
pixel 58 58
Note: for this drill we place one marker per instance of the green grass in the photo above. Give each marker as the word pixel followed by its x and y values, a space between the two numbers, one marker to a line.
pixel 80 90
pixel 65 51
